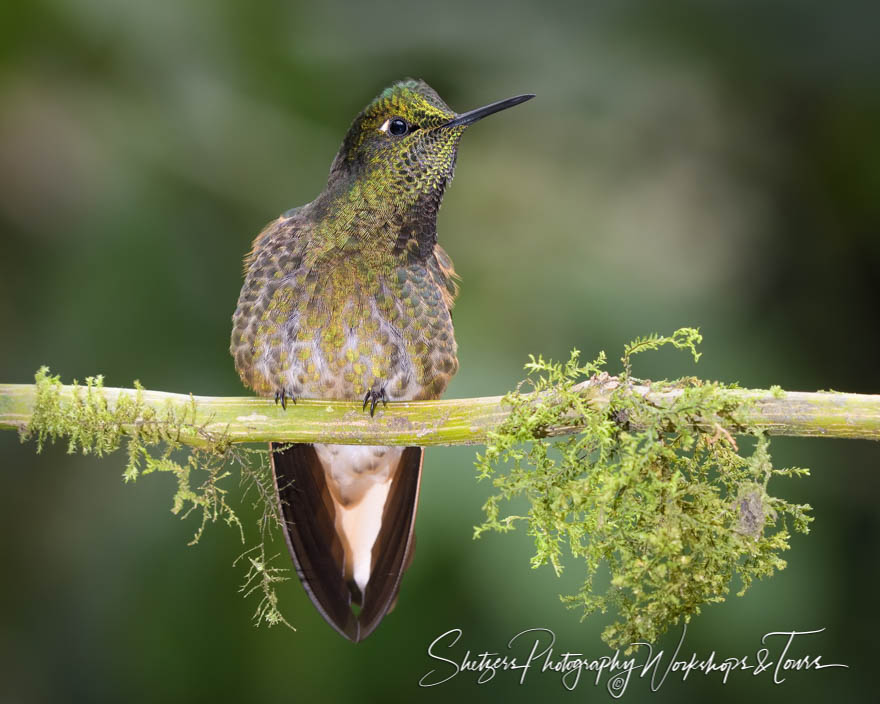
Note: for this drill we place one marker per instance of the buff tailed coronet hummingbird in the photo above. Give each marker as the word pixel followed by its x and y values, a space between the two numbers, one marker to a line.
pixel 349 297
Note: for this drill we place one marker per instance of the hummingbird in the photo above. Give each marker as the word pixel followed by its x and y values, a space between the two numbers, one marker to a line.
pixel 349 297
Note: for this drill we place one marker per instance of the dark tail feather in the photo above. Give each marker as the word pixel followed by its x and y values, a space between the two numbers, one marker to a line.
pixel 309 521
pixel 392 552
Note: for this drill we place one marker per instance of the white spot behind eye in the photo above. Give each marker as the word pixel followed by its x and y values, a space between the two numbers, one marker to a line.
pixel 384 127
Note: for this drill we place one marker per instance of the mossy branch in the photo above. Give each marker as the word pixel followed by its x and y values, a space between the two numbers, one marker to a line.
pixel 645 479
pixel 202 421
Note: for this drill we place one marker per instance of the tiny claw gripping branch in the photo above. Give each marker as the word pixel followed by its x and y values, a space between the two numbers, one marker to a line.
pixel 283 396
pixel 373 397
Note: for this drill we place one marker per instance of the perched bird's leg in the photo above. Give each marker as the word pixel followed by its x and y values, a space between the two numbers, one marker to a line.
pixel 283 396
pixel 373 397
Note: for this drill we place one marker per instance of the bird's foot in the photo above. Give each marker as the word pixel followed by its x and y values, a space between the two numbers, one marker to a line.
pixel 373 397
pixel 283 396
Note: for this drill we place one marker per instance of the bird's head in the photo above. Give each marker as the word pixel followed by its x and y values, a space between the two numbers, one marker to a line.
pixel 403 144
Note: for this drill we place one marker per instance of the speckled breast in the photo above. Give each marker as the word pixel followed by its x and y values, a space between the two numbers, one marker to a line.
pixel 341 329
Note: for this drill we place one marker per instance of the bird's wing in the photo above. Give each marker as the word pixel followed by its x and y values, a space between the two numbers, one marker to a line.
pixel 267 313
pixel 440 266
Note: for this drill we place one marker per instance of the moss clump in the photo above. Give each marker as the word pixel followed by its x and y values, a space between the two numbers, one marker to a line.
pixel 658 493
pixel 153 441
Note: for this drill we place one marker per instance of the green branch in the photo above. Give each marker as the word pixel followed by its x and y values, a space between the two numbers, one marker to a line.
pixel 202 420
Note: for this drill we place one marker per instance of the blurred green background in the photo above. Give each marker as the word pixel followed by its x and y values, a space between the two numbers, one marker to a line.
pixel 714 164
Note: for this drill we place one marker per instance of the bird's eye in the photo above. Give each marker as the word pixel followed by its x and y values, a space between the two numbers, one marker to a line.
pixel 397 126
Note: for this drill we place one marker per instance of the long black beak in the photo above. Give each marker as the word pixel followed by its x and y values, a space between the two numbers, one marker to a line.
pixel 467 118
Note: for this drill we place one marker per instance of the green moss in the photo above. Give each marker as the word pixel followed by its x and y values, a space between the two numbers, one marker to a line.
pixel 92 424
pixel 659 494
